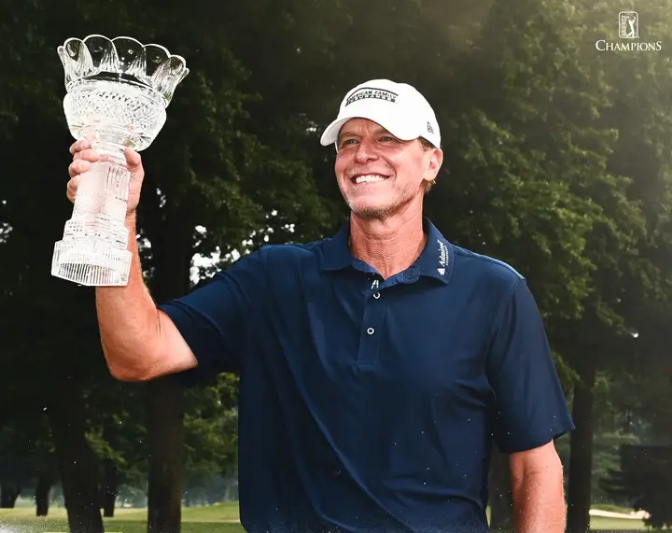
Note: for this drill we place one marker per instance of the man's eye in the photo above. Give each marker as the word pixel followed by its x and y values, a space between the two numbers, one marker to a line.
pixel 387 138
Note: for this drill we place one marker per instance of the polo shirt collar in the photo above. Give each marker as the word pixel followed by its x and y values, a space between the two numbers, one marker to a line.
pixel 435 261
pixel 437 258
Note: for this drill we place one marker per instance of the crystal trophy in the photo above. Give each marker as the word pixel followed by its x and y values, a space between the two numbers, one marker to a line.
pixel 117 94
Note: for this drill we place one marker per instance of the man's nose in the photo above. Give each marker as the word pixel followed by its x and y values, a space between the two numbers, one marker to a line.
pixel 365 151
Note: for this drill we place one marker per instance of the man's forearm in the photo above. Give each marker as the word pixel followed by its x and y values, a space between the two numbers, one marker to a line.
pixel 128 320
pixel 539 501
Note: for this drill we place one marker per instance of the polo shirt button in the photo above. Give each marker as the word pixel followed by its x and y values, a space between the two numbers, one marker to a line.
pixel 377 295
pixel 370 331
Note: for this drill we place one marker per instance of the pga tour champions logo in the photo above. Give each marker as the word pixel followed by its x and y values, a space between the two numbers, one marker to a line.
pixel 628 25
pixel 628 29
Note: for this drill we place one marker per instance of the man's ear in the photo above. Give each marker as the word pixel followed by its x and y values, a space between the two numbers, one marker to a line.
pixel 435 162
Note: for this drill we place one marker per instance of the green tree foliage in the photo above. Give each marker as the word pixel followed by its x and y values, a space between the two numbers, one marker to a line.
pixel 557 161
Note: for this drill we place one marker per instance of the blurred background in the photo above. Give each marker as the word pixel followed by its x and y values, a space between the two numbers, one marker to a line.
pixel 557 132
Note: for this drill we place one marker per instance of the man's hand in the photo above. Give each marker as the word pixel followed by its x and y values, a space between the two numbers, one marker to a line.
pixel 538 490
pixel 83 157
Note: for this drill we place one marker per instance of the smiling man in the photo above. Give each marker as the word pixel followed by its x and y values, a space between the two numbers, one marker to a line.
pixel 377 366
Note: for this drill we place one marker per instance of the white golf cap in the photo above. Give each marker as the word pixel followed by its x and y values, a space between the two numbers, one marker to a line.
pixel 397 107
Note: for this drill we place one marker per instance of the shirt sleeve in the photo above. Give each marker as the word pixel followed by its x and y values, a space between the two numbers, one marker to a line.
pixel 530 405
pixel 213 318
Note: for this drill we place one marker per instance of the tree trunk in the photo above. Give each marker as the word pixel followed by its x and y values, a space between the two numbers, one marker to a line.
pixel 501 497
pixel 9 492
pixel 75 459
pixel 171 234
pixel 581 449
pixel 166 437
pixel 110 486
pixel 42 492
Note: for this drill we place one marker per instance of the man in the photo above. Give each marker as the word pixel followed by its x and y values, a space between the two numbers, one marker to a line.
pixel 376 366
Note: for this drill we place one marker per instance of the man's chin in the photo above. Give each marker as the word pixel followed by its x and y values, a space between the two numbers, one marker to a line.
pixel 371 211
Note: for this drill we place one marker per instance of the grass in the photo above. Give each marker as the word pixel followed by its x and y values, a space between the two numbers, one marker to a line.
pixel 599 523
pixel 220 518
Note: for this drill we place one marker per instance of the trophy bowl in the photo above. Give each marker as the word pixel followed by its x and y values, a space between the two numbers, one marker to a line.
pixel 117 94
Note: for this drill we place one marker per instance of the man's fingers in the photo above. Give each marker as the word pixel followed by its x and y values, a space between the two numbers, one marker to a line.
pixel 72 187
pixel 78 146
pixel 87 154
pixel 133 159
pixel 79 166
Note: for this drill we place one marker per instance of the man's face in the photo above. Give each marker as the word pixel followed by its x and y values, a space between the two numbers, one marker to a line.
pixel 379 174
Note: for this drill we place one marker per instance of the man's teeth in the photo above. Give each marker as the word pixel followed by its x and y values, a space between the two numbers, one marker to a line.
pixel 369 177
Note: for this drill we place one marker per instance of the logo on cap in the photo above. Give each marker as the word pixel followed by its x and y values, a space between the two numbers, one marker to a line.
pixel 371 92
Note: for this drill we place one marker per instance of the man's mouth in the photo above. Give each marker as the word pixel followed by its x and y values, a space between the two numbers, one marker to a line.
pixel 368 178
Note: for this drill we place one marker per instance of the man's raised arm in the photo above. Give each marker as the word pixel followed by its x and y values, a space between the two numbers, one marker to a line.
pixel 139 341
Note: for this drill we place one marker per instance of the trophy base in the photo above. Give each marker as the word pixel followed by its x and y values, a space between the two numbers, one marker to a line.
pixel 91 262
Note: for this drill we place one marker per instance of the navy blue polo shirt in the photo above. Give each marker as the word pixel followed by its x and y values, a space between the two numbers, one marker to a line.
pixel 369 405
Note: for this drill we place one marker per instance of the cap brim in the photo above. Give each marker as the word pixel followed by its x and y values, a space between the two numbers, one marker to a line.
pixel 399 128
pixel 330 135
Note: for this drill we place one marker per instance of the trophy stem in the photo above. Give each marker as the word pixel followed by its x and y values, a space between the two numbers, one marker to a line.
pixel 94 248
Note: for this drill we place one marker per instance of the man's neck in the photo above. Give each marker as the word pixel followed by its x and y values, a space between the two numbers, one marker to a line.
pixel 389 246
